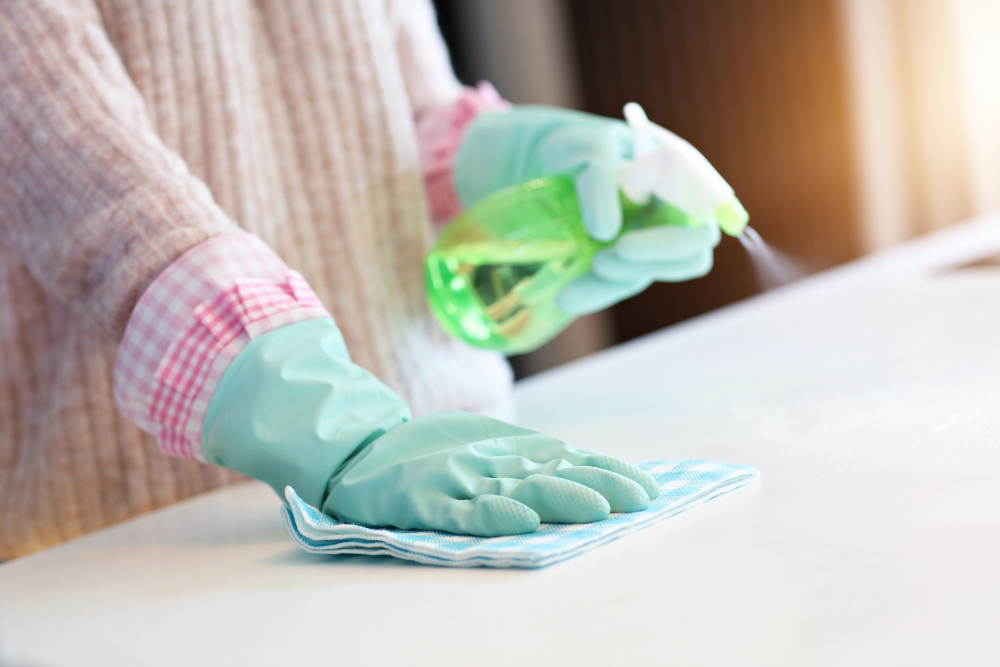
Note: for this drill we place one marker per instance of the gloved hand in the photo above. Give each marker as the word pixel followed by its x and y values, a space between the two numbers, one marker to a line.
pixel 292 409
pixel 508 147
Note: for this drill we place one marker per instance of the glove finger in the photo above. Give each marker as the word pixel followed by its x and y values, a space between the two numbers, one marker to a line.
pixel 622 493
pixel 688 269
pixel 561 500
pixel 597 190
pixel 594 154
pixel 495 486
pixel 485 516
pixel 535 454
pixel 502 460
pixel 623 468
pixel 551 456
pixel 609 266
pixel 518 467
pixel 667 243
pixel 589 294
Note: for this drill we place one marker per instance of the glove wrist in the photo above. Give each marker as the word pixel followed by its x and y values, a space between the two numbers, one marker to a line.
pixel 292 408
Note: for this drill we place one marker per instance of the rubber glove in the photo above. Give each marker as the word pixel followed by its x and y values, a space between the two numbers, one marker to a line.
pixel 293 410
pixel 508 147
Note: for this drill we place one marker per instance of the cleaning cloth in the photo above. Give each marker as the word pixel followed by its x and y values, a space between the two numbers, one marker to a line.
pixel 683 484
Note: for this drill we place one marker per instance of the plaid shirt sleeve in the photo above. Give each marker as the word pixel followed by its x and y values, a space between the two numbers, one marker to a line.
pixel 191 322
pixel 439 134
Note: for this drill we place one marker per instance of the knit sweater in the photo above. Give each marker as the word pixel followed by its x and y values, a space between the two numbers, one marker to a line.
pixel 132 131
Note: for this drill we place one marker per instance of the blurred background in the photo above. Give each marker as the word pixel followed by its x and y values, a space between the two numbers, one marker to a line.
pixel 845 126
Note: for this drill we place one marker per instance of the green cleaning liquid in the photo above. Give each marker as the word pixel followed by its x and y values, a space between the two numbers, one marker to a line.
pixel 494 273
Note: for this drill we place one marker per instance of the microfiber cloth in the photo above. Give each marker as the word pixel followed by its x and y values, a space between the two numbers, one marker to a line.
pixel 683 484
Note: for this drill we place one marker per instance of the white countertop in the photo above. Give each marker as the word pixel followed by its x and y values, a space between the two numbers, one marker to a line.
pixel 868 397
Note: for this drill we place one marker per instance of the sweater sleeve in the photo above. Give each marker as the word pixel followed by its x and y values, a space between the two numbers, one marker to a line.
pixel 427 72
pixel 442 107
pixel 90 197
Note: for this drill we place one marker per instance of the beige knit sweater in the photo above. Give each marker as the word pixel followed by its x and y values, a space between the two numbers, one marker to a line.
pixel 299 116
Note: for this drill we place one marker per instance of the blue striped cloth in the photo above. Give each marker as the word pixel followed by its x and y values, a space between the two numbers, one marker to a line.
pixel 683 485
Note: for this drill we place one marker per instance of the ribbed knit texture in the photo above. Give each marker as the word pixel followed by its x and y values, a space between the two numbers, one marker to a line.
pixel 299 117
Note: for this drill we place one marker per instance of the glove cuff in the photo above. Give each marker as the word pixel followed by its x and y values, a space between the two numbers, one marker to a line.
pixel 292 409
pixel 191 322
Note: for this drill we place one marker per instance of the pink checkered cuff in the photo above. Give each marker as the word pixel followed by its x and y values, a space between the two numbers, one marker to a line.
pixel 439 134
pixel 191 322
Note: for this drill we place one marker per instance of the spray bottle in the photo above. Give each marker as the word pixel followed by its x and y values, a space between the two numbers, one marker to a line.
pixel 494 273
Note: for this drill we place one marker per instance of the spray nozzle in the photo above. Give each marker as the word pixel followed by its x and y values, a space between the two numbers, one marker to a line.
pixel 672 170
pixel 732 217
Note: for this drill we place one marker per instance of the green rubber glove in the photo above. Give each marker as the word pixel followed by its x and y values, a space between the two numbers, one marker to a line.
pixel 508 147
pixel 292 410
pixel 513 146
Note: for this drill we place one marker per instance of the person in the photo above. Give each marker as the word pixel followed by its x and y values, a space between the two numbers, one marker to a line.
pixel 205 205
